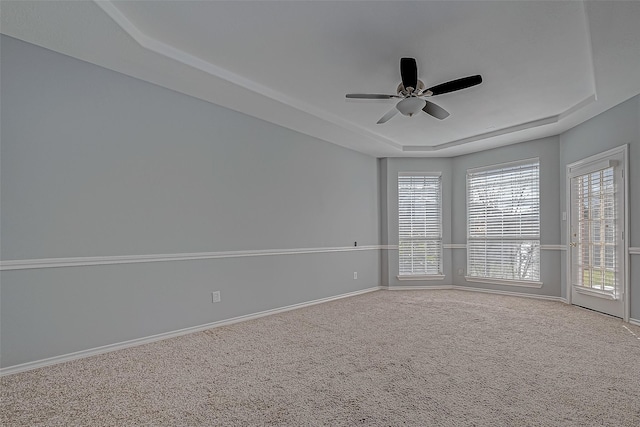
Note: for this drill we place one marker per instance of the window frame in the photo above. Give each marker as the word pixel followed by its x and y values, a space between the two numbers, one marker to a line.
pixel 440 268
pixel 499 169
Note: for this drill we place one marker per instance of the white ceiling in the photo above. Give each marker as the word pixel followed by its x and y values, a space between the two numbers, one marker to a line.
pixel 546 65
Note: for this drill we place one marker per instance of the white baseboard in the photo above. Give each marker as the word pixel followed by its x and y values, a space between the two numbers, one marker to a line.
pixel 467 288
pixel 503 282
pixel 634 321
pixel 509 293
pixel 139 341
pixel 165 335
pixel 414 288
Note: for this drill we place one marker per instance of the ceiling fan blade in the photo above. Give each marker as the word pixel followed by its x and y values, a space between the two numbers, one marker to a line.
pixel 435 110
pixel 454 85
pixel 388 116
pixel 370 96
pixel 409 72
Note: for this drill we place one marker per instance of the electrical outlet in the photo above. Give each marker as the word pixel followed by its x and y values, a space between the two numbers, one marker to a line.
pixel 215 296
pixel 355 275
pixel 460 271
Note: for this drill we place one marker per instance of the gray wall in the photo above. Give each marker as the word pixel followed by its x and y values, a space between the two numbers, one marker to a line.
pixel 613 128
pixel 620 125
pixel 454 210
pixel 95 163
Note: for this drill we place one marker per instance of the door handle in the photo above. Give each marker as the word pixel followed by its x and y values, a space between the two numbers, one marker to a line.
pixel 573 244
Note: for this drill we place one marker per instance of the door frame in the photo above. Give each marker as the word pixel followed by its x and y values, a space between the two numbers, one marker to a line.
pixel 624 150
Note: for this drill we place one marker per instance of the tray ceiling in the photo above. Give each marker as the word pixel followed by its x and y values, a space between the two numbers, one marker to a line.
pixel 547 66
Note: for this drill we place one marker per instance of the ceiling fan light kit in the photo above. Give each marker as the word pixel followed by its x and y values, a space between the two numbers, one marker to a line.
pixel 412 93
pixel 410 106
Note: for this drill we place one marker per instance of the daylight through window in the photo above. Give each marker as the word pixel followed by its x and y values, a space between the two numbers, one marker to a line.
pixel 420 224
pixel 503 222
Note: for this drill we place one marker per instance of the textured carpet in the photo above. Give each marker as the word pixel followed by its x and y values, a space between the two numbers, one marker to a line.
pixel 388 358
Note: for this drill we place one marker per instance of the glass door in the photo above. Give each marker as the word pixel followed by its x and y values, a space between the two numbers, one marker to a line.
pixel 597 233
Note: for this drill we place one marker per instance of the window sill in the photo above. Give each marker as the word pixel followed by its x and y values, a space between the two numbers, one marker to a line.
pixel 430 277
pixel 505 282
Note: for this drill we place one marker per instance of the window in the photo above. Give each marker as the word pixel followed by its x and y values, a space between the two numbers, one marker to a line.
pixel 595 201
pixel 419 224
pixel 503 222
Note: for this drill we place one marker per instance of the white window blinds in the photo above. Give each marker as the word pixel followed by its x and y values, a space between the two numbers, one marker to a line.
pixel 419 224
pixel 503 222
pixel 595 202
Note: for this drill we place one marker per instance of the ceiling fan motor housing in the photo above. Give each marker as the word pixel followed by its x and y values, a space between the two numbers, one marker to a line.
pixel 405 92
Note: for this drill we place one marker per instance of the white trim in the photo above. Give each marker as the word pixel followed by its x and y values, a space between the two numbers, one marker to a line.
pixel 417 288
pixel 634 250
pixel 569 171
pixel 593 293
pixel 553 247
pixel 430 277
pixel 503 131
pixel 584 168
pixel 157 46
pixel 634 321
pixel 133 259
pixel 454 246
pixel 506 130
pixel 575 168
pixel 420 173
pixel 504 282
pixel 627 233
pixel 568 260
pixel 499 166
pixel 139 341
pixel 580 105
pixel 509 293
pixel 590 50
pixel 470 289
pixel 9 370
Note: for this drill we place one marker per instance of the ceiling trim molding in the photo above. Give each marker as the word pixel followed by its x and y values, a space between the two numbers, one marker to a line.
pixel 171 52
pixel 511 129
pixel 590 49
pixel 535 123
pixel 579 106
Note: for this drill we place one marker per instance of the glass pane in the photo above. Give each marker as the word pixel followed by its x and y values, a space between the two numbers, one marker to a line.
pixel 419 257
pixel 586 278
pixel 596 231
pixel 510 260
pixel 419 224
pixel 503 211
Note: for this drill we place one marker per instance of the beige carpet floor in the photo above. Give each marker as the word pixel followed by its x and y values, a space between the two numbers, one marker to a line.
pixel 388 358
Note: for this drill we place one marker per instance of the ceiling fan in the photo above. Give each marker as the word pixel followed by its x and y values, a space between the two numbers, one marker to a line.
pixel 412 93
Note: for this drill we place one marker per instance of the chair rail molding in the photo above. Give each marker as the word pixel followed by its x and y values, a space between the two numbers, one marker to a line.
pixel 132 259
